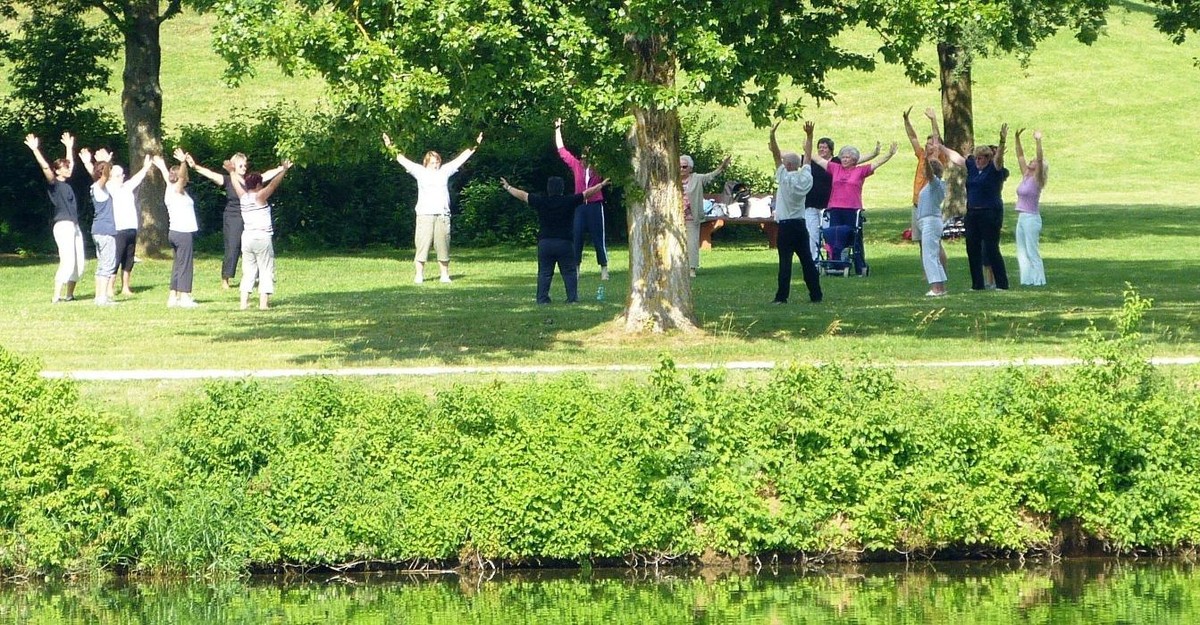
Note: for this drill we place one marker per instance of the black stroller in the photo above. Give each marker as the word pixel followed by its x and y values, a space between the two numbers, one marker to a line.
pixel 835 251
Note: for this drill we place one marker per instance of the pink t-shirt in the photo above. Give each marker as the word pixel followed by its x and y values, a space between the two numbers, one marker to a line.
pixel 1028 196
pixel 847 184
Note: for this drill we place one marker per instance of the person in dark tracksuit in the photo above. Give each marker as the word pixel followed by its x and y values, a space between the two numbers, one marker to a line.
pixel 556 213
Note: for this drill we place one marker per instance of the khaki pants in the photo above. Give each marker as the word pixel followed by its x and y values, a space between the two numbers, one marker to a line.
pixel 433 230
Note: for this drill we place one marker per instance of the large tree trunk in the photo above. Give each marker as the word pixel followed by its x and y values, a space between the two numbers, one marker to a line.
pixel 660 293
pixel 141 104
pixel 958 132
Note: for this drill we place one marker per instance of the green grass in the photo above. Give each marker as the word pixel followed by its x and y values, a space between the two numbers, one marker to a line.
pixel 361 310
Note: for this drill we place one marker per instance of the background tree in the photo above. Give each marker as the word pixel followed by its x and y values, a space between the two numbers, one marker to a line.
pixel 54 67
pixel 965 30
pixel 1177 18
pixel 612 67
pixel 137 23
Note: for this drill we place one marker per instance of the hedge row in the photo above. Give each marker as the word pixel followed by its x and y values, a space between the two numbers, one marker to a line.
pixel 814 460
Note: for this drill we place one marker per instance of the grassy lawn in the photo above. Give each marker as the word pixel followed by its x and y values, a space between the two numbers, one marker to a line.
pixel 361 310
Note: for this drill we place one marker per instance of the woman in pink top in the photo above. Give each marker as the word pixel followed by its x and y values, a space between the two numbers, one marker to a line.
pixel 589 216
pixel 1029 215
pixel 845 198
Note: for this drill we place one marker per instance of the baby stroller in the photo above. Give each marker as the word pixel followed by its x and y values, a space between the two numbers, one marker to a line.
pixel 835 251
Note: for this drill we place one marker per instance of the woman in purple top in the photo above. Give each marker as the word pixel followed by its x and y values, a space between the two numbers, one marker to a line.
pixel 1029 215
pixel 845 196
pixel 985 209
pixel 67 235
pixel 589 216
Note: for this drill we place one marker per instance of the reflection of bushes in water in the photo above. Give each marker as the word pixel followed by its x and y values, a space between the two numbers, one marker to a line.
pixel 1100 591
pixel 826 462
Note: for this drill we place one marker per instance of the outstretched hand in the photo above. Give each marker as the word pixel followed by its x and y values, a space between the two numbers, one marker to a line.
pixel 68 140
pixel 1003 132
pixel 85 155
pixel 558 123
pixel 159 162
pixel 479 139
pixel 31 140
pixel 103 155
pixel 1019 131
pixel 387 141
pixel 180 155
pixel 929 112
pixel 808 128
pixel 892 150
pixel 1037 135
pixel 906 113
pixel 504 183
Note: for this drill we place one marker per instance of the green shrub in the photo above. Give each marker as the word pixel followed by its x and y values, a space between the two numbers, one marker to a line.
pixel 68 480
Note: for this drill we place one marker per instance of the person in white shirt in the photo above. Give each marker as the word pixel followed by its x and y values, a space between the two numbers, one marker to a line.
pixel 433 205
pixel 124 210
pixel 182 227
pixel 929 219
pixel 693 203
pixel 793 180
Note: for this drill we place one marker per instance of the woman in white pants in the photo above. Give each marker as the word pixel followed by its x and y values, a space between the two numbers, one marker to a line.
pixel 67 235
pixel 929 218
pixel 1029 214
pixel 257 249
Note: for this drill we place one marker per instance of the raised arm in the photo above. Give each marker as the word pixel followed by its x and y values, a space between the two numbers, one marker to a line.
pixel 31 140
pixel 998 161
pixel 596 187
pixel 872 156
pixel 774 146
pixel 954 157
pixel 266 192
pixel 933 125
pixel 809 127
pixel 911 132
pixel 137 178
pixel 270 174
pixel 465 154
pixel 1021 162
pixel 204 171
pixel 886 157
pixel 515 192
pixel 1041 159
pixel 161 165
pixel 407 164
pixel 68 141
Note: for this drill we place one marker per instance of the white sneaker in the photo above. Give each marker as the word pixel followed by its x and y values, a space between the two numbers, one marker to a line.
pixel 187 303
pixel 604 273
pixel 171 303
pixel 445 278
pixel 419 280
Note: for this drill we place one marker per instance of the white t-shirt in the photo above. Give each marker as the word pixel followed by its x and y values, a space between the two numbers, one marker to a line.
pixel 124 207
pixel 792 188
pixel 181 210
pixel 433 185
pixel 929 200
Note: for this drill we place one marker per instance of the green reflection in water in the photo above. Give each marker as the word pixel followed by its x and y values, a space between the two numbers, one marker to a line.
pixel 1083 592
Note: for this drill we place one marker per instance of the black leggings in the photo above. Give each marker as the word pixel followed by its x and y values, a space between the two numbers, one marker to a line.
pixel 983 245
pixel 126 241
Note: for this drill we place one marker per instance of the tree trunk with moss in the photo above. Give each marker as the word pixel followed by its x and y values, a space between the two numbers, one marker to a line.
pixel 958 132
pixel 660 293
pixel 141 105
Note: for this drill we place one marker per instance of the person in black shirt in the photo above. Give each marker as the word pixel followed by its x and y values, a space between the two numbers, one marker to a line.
pixel 65 217
pixel 556 215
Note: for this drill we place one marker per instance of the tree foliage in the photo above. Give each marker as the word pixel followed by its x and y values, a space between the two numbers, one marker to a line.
pixel 615 68
pixel 56 63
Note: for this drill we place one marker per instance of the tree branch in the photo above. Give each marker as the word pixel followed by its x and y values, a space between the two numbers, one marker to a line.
pixel 173 9
pixel 108 11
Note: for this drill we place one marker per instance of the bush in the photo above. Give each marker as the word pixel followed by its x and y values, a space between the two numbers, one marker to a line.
pixel 69 480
